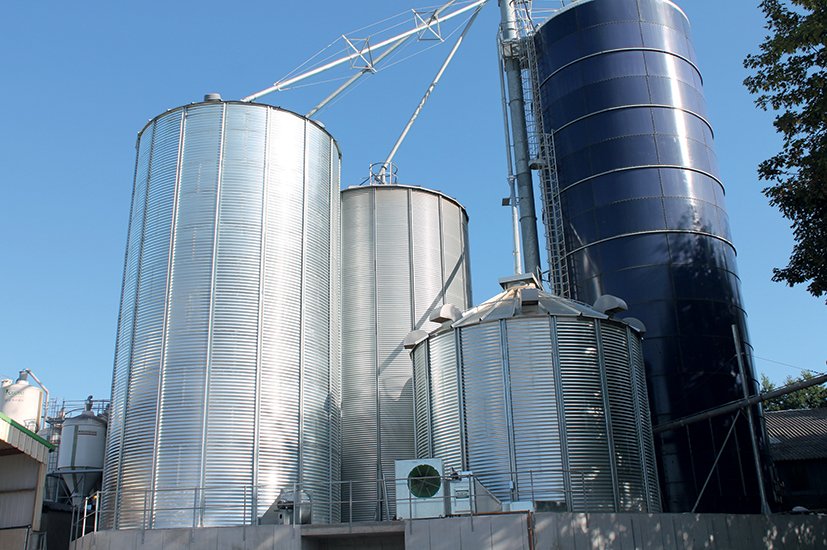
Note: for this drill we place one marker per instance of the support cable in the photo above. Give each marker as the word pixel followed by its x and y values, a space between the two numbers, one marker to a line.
pixel 739 404
pixel 368 50
pixel 392 48
pixel 386 165
pixel 717 458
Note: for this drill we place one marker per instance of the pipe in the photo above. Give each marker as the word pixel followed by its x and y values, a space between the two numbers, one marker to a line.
pixel 512 192
pixel 739 404
pixel 765 508
pixel 519 133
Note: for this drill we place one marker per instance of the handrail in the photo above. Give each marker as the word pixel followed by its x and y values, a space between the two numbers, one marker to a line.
pixel 535 485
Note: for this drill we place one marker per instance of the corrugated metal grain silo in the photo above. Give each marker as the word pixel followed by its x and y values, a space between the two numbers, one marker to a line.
pixel 644 217
pixel 404 252
pixel 542 398
pixel 226 371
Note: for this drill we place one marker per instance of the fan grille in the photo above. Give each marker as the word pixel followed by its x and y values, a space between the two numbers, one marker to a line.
pixel 424 481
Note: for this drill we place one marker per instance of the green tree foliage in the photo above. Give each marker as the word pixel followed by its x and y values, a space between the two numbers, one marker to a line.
pixel 814 397
pixel 789 77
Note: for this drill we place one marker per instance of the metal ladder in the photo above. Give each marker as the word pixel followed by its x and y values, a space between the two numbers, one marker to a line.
pixel 541 149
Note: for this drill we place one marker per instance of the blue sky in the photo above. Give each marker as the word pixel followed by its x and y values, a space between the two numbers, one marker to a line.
pixel 79 80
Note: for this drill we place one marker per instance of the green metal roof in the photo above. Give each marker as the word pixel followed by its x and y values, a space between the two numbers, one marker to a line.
pixel 26 431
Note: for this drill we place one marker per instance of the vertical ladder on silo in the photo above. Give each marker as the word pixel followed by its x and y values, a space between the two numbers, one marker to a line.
pixel 541 147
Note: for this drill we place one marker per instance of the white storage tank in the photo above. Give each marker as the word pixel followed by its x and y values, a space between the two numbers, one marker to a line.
pixel 22 402
pixel 405 252
pixel 80 455
pixel 543 398
pixel 226 378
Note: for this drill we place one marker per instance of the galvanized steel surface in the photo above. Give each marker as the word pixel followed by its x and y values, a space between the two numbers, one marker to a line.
pixel 226 361
pixel 404 252
pixel 552 404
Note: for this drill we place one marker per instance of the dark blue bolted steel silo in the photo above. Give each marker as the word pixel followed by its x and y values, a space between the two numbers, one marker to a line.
pixel 644 219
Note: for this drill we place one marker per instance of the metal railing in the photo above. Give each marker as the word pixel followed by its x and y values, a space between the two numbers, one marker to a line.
pixel 550 490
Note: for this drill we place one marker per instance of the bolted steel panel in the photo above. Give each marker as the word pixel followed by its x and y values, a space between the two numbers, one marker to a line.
pixel 403 254
pixel 422 403
pixel 488 425
pixel 585 413
pixel 550 402
pixel 643 209
pixel 226 364
pixel 624 418
pixel 537 445
pixel 445 407
pixel 126 323
pixel 647 444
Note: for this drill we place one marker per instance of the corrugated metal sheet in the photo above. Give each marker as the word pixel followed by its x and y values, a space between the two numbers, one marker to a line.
pixel 797 434
pixel 647 443
pixel 139 421
pixel 230 293
pixel 126 323
pixel 360 416
pixel 403 254
pixel 553 404
pixel 537 442
pixel 586 431
pixel 422 402
pixel 445 407
pixel 183 384
pixel 486 417
pixel 626 434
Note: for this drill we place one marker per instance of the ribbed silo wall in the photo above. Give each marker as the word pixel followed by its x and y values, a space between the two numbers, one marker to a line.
pixel 404 252
pixel 225 387
pixel 541 408
pixel 644 219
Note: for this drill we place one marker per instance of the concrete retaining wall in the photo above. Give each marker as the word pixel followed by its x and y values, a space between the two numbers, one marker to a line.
pixel 688 531
pixel 550 531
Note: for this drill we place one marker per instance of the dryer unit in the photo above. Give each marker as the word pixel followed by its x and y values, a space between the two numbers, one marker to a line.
pixel 420 490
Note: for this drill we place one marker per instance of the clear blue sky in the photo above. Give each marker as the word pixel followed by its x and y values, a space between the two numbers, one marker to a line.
pixel 78 81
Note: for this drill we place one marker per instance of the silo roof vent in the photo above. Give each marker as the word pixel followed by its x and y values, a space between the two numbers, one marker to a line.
pixel 609 304
pixel 447 312
pixel 213 96
pixel 413 338
pixel 529 296
pixel 636 324
pixel 521 279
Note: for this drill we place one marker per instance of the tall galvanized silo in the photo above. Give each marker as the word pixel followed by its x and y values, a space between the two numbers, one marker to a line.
pixel 542 398
pixel 404 252
pixel 644 218
pixel 226 371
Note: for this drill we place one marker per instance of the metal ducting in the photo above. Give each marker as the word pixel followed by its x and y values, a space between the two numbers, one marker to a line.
pixel 226 374
pixel 543 399
pixel 404 254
